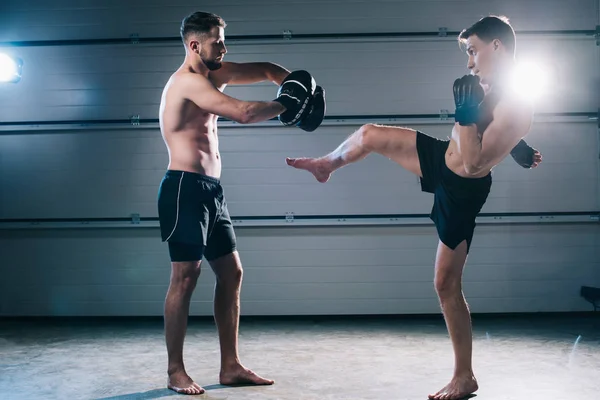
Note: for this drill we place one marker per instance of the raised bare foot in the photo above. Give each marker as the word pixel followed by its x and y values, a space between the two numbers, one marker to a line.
pixel 180 382
pixel 316 166
pixel 238 375
pixel 461 387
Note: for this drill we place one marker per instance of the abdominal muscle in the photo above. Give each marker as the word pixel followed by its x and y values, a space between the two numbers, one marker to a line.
pixel 194 151
pixel 191 138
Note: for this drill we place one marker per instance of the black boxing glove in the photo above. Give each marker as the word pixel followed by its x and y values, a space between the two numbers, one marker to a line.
pixel 523 153
pixel 468 93
pixel 316 111
pixel 294 94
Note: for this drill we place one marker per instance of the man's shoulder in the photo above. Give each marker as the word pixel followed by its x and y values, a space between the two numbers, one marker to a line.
pixel 189 85
pixel 514 110
pixel 185 78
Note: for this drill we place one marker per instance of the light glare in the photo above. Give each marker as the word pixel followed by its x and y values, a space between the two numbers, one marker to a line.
pixel 9 69
pixel 529 80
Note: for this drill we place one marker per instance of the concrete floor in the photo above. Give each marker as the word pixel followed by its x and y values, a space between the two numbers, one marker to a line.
pixel 518 357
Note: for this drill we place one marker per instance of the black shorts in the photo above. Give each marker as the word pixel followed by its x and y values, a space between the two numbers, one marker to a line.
pixel 193 217
pixel 457 200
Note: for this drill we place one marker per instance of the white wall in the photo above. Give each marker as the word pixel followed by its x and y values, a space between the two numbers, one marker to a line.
pixel 64 19
pixel 372 77
pixel 108 173
pixel 289 271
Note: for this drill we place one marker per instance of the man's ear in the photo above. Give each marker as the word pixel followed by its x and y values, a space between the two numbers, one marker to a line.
pixel 195 46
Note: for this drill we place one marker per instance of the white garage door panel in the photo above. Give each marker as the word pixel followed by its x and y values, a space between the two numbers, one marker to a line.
pixel 288 270
pixel 360 270
pixel 72 19
pixel 552 172
pixel 107 174
pixel 318 291
pixel 158 275
pixel 389 78
pixel 306 307
pixel 82 201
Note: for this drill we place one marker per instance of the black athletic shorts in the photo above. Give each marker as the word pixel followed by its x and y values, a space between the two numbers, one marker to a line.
pixel 193 217
pixel 457 200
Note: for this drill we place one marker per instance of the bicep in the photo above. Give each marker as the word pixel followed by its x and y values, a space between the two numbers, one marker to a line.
pixel 244 73
pixel 204 95
pixel 501 136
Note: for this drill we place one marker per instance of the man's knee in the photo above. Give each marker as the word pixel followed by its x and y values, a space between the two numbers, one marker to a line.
pixel 369 136
pixel 230 276
pixel 447 284
pixel 184 275
pixel 448 270
pixel 228 269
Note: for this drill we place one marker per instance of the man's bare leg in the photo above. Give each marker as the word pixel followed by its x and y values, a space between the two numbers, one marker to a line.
pixel 228 271
pixel 184 276
pixel 397 144
pixel 449 266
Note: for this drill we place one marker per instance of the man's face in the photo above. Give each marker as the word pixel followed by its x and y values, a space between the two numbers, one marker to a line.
pixel 483 58
pixel 212 48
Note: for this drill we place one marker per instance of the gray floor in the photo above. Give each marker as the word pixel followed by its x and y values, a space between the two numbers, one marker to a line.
pixel 519 357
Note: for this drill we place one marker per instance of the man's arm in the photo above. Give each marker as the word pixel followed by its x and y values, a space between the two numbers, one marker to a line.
pixel 253 72
pixel 510 124
pixel 203 93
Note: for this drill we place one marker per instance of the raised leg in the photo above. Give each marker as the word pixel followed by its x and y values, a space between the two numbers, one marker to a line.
pixel 397 144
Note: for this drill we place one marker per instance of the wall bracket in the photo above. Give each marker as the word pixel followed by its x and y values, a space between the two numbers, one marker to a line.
pixel 135 219
pixel 135 120
pixel 289 217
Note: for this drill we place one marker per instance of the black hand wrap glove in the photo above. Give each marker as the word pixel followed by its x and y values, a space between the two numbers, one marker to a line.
pixel 468 93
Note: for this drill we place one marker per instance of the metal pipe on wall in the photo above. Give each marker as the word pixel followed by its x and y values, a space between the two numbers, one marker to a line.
pixel 442 34
pixel 14 127
pixel 290 220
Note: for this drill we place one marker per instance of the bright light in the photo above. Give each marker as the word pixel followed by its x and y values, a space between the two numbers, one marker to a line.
pixel 10 69
pixel 529 80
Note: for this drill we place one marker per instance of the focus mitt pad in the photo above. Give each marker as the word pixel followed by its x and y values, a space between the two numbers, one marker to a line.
pixel 294 94
pixel 316 111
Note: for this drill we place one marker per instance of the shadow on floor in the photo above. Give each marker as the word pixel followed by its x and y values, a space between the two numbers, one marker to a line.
pixel 159 393
pixel 151 394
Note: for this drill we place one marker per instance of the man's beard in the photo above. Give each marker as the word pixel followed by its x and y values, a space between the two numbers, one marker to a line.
pixel 212 65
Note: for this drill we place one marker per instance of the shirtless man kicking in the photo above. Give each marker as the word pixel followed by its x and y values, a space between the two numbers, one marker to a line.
pixel 193 214
pixel 489 123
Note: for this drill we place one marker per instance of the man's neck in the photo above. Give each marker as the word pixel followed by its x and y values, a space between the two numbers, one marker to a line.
pixel 502 81
pixel 196 66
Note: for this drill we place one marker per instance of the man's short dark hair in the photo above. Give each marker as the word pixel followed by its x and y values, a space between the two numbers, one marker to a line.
pixel 490 28
pixel 199 23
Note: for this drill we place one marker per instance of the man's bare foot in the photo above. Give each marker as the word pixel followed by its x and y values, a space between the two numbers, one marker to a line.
pixel 180 382
pixel 316 166
pixel 239 375
pixel 459 388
